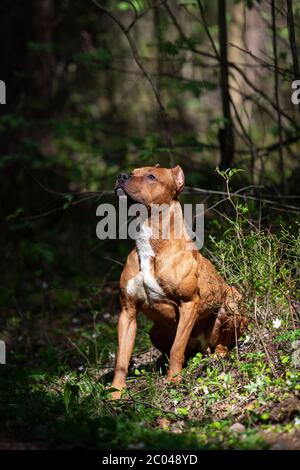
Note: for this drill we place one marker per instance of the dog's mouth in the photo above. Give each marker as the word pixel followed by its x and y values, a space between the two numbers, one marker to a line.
pixel 120 192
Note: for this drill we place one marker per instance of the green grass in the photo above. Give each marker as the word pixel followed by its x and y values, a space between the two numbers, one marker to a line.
pixel 56 399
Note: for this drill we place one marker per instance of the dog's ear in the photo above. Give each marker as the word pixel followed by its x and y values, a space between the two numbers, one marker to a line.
pixel 178 177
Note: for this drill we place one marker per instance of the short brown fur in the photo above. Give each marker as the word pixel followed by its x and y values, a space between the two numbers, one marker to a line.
pixel 199 311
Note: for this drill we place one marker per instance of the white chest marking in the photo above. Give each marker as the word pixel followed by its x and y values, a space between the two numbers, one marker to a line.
pixel 144 286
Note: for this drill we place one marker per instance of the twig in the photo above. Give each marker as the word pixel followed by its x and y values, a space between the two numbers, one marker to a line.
pixel 262 94
pixel 133 400
pixel 58 209
pixel 188 190
pixel 79 350
pixel 260 61
pixel 205 24
pixel 113 260
pixel 137 15
pixel 241 196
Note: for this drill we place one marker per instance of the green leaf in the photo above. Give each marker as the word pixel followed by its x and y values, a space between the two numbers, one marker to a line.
pixel 138 4
pixel 182 411
pixel 197 88
pixel 284 359
pixel 93 59
pixel 123 6
pixel 163 149
pixel 40 46
pixel 15 214
pixel 169 48
pixel 68 201
pixel 104 55
pixel 38 377
pixel 70 395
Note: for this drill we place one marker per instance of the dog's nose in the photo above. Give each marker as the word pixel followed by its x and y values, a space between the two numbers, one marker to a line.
pixel 123 177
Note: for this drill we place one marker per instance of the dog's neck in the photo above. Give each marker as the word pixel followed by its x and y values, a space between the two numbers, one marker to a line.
pixel 160 229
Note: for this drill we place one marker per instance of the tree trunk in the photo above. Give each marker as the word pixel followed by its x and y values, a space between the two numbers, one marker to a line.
pixel 226 137
pixel 276 95
pixel 292 37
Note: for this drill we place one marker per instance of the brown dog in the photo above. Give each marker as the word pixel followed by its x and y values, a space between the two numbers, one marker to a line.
pixel 192 307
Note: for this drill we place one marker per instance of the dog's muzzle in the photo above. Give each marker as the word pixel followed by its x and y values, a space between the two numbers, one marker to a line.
pixel 119 186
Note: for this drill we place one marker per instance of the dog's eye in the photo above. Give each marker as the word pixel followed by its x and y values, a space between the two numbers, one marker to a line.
pixel 151 177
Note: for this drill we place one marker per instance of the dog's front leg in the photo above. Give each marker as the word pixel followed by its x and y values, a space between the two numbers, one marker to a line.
pixel 126 337
pixel 187 317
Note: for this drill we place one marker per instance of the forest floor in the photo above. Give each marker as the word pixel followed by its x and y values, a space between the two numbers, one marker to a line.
pixel 54 389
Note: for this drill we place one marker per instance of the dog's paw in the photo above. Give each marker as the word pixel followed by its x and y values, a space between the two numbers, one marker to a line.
pixel 174 377
pixel 221 351
pixel 113 394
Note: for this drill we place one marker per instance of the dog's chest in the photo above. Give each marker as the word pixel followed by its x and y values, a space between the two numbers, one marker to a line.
pixel 144 287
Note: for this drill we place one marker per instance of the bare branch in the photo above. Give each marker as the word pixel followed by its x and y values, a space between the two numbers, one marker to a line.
pixel 263 94
pixel 261 61
pixel 205 24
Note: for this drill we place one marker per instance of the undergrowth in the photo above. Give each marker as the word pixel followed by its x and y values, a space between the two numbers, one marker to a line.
pixel 55 386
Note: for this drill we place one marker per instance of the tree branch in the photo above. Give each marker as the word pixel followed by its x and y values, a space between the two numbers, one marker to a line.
pixel 139 62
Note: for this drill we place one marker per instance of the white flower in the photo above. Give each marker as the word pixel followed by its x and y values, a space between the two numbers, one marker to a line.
pixel 297 421
pixel 277 323
pixel 138 445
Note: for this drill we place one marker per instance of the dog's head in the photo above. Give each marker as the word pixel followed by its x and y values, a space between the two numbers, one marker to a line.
pixel 151 185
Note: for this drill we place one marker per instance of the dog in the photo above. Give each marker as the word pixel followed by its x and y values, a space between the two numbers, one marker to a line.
pixel 192 307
